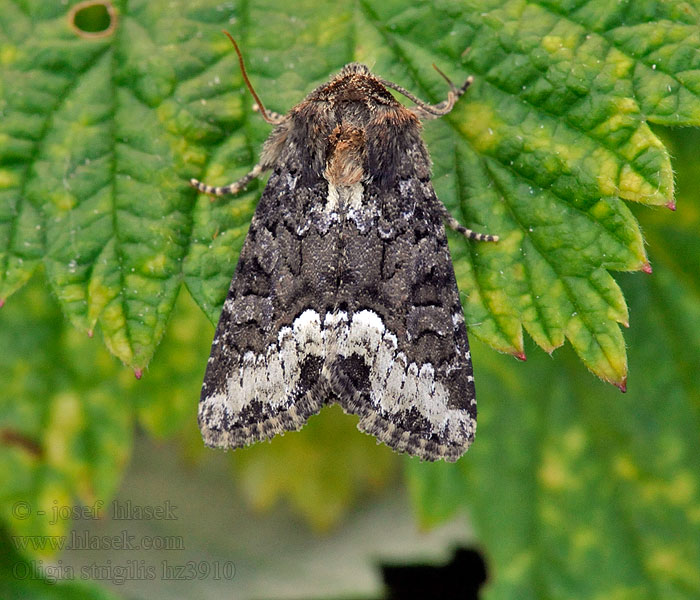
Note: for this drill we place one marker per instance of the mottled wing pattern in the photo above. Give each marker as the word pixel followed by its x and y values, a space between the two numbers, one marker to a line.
pixel 262 377
pixel 344 290
pixel 401 358
pixel 397 353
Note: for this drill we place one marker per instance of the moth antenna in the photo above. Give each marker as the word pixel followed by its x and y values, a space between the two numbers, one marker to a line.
pixel 446 78
pixel 453 88
pixel 429 108
pixel 433 110
pixel 263 114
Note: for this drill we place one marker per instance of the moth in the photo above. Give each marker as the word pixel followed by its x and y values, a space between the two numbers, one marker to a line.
pixel 344 289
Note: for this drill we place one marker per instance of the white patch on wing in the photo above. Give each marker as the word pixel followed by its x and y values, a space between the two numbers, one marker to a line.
pixel 348 200
pixel 354 199
pixel 308 334
pixel 291 181
pixel 333 200
pixel 395 385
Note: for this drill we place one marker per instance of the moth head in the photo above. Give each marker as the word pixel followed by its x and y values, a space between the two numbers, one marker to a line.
pixel 354 83
pixel 355 69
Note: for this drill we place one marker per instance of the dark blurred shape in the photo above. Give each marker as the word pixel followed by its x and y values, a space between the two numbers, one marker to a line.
pixel 461 578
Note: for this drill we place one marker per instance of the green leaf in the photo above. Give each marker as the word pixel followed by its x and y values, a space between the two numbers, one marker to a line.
pixel 576 491
pixel 24 580
pixel 102 130
pixel 65 427
pixel 551 140
pixel 92 150
pixel 99 135
pixel 166 398
pixel 67 410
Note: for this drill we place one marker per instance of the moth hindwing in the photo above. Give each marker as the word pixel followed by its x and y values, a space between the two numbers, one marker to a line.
pixel 344 290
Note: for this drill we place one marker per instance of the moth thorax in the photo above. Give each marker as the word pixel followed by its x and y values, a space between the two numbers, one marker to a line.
pixel 346 146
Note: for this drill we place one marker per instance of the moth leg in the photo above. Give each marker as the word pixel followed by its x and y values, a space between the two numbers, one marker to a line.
pixel 273 117
pixel 455 225
pixel 231 188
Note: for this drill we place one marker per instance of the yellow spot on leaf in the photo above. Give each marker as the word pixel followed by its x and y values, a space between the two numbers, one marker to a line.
pixel 625 105
pixel 555 473
pixel 71 293
pixel 66 418
pixel 114 328
pixel 156 265
pixel 518 566
pixel 574 440
pixel 600 210
pixel 614 123
pixel 625 467
pixel 8 54
pixel 498 301
pixel 601 353
pixel 63 200
pixel 556 44
pixel 620 592
pixel 479 125
pixel 642 139
pixel 583 540
pixel 632 185
pixel 334 27
pixel 99 296
pixel 166 112
pixel 622 65
pixel 682 489
pixel 221 45
pixel 607 169
pixel 694 515
pixel 670 563
pixel 8 179
pixel 191 154
pixel 569 154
